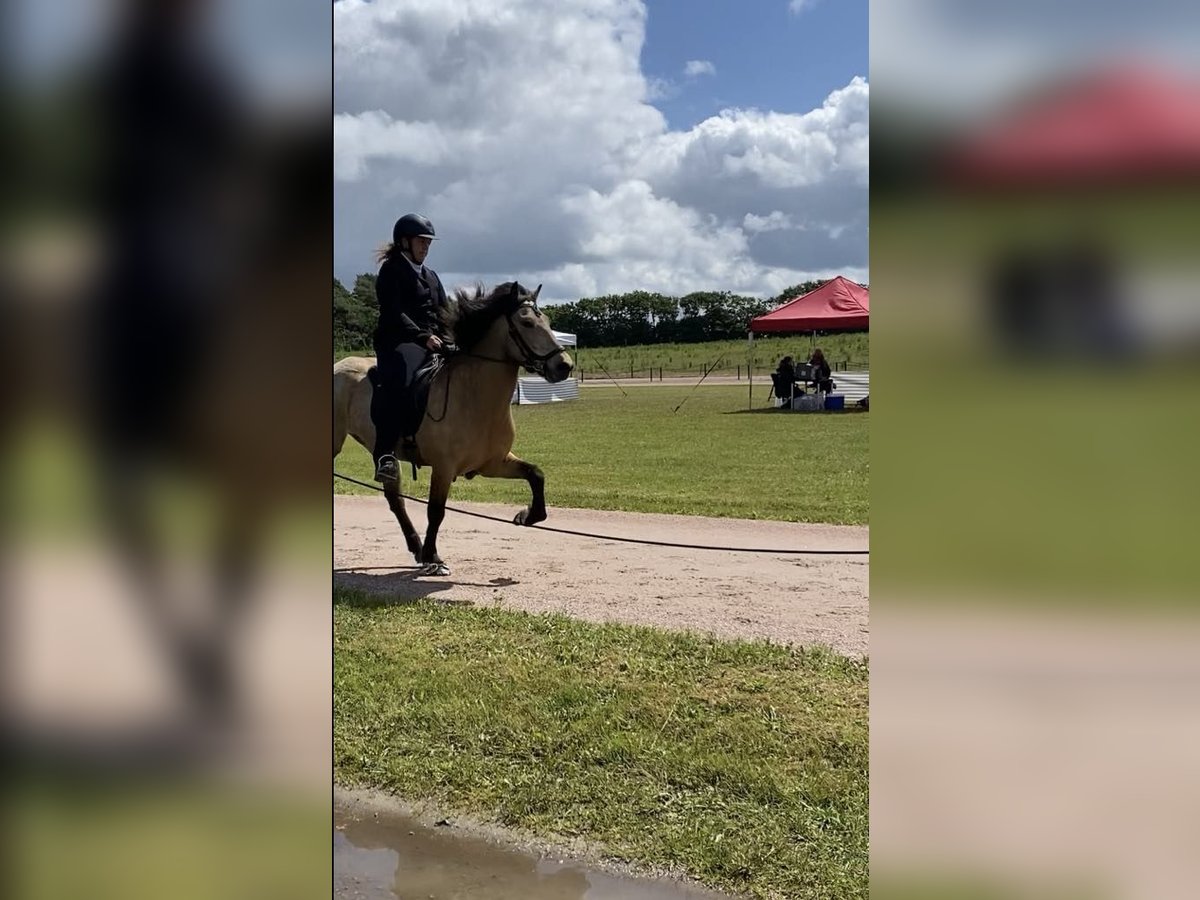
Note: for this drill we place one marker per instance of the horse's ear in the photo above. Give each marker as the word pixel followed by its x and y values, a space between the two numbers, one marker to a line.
pixel 516 290
pixel 537 291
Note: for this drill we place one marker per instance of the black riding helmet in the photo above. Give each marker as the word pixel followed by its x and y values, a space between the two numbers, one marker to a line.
pixel 411 226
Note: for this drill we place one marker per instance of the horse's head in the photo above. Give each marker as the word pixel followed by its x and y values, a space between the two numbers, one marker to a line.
pixel 530 342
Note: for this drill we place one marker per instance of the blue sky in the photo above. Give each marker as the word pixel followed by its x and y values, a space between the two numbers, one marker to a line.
pixel 764 55
pixel 564 142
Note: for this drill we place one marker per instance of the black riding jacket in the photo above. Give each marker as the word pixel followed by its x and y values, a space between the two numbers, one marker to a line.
pixel 409 305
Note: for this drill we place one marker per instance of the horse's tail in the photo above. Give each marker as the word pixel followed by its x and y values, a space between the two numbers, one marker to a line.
pixel 349 381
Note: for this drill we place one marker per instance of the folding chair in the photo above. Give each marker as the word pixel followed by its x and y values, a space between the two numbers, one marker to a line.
pixel 781 391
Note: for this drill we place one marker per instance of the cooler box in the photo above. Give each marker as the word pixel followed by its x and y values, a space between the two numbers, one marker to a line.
pixel 835 401
pixel 806 403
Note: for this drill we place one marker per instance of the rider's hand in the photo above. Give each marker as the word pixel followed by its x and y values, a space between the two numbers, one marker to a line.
pixel 434 343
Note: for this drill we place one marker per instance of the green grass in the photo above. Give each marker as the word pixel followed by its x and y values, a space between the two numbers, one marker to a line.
pixel 850 351
pixel 712 458
pixel 743 764
pixel 844 350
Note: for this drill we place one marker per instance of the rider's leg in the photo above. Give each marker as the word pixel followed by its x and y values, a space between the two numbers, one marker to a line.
pixel 414 357
pixel 385 413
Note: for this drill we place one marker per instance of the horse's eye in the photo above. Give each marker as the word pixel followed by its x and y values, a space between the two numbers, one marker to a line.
pixel 527 324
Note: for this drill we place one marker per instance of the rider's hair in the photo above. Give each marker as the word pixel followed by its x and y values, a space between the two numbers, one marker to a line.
pixel 387 251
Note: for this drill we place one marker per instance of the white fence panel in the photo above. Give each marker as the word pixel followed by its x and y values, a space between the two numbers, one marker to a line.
pixel 539 390
pixel 852 385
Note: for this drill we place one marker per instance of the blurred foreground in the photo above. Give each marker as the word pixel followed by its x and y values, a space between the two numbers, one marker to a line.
pixel 167 693
pixel 1035 685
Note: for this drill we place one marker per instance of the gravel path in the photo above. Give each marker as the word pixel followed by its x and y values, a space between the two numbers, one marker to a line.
pixel 797 599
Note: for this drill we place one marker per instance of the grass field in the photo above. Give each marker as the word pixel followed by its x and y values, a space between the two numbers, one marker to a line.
pixel 845 350
pixel 842 350
pixel 713 458
pixel 744 764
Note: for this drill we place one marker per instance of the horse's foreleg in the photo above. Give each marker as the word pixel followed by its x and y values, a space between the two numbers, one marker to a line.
pixel 513 467
pixel 396 503
pixel 439 490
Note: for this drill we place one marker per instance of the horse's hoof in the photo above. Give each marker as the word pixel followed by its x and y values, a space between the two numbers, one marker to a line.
pixel 435 569
pixel 525 517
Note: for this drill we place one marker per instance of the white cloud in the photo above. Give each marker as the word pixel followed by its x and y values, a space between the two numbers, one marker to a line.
pixel 776 221
pixel 375 135
pixel 777 149
pixel 661 89
pixel 795 7
pixel 696 67
pixel 525 130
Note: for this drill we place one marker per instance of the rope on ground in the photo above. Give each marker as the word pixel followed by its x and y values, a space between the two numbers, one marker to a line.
pixel 624 540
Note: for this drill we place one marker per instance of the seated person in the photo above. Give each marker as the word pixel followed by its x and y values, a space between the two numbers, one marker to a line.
pixel 821 373
pixel 786 379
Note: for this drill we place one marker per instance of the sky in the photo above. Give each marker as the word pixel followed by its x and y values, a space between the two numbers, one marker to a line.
pixel 606 146
pixel 998 49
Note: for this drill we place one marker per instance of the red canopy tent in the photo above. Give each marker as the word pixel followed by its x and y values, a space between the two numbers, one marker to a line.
pixel 837 305
pixel 1122 124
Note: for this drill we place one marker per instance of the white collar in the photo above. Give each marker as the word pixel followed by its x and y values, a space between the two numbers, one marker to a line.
pixel 420 270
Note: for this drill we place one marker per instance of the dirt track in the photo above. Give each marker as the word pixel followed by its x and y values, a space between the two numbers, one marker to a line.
pixel 786 598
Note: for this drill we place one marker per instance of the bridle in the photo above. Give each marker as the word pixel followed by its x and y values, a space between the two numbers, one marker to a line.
pixel 534 362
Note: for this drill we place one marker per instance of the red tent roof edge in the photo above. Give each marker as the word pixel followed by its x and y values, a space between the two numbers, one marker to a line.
pixel 837 305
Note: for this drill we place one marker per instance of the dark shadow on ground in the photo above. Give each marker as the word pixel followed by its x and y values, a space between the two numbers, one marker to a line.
pixel 771 410
pixel 401 586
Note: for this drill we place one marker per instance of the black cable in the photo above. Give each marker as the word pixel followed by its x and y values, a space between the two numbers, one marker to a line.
pixel 625 540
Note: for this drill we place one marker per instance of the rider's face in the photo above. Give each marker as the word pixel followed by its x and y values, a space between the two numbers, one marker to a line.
pixel 419 248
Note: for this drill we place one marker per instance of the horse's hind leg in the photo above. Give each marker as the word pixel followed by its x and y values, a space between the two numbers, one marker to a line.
pixel 396 503
pixel 513 467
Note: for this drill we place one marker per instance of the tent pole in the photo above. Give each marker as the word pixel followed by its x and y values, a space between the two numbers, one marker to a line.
pixel 750 370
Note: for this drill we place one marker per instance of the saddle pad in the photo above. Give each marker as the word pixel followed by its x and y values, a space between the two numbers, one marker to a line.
pixel 422 380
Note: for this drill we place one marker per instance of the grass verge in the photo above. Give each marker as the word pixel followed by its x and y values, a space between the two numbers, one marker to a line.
pixel 743 764
pixel 711 458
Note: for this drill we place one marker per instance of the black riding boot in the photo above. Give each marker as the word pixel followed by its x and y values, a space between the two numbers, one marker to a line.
pixel 387 433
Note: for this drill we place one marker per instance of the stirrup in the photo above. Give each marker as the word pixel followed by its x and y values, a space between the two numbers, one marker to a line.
pixel 387 469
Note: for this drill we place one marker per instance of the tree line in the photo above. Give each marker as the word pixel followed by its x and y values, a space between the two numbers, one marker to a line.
pixel 638 317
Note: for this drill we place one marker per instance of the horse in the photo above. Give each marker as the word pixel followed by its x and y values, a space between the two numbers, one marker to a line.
pixel 467 429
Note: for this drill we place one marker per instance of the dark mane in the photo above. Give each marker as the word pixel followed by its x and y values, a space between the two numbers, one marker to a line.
pixel 470 315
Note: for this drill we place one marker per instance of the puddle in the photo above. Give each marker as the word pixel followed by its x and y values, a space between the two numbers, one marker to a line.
pixel 393 857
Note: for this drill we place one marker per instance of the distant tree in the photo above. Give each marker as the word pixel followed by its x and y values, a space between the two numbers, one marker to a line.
pixel 354 314
pixel 791 293
pixel 565 317
pixel 637 317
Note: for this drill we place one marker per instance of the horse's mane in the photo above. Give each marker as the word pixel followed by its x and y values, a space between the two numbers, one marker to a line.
pixel 471 314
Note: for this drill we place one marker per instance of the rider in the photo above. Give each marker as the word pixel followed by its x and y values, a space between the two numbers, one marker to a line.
pixel 410 297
